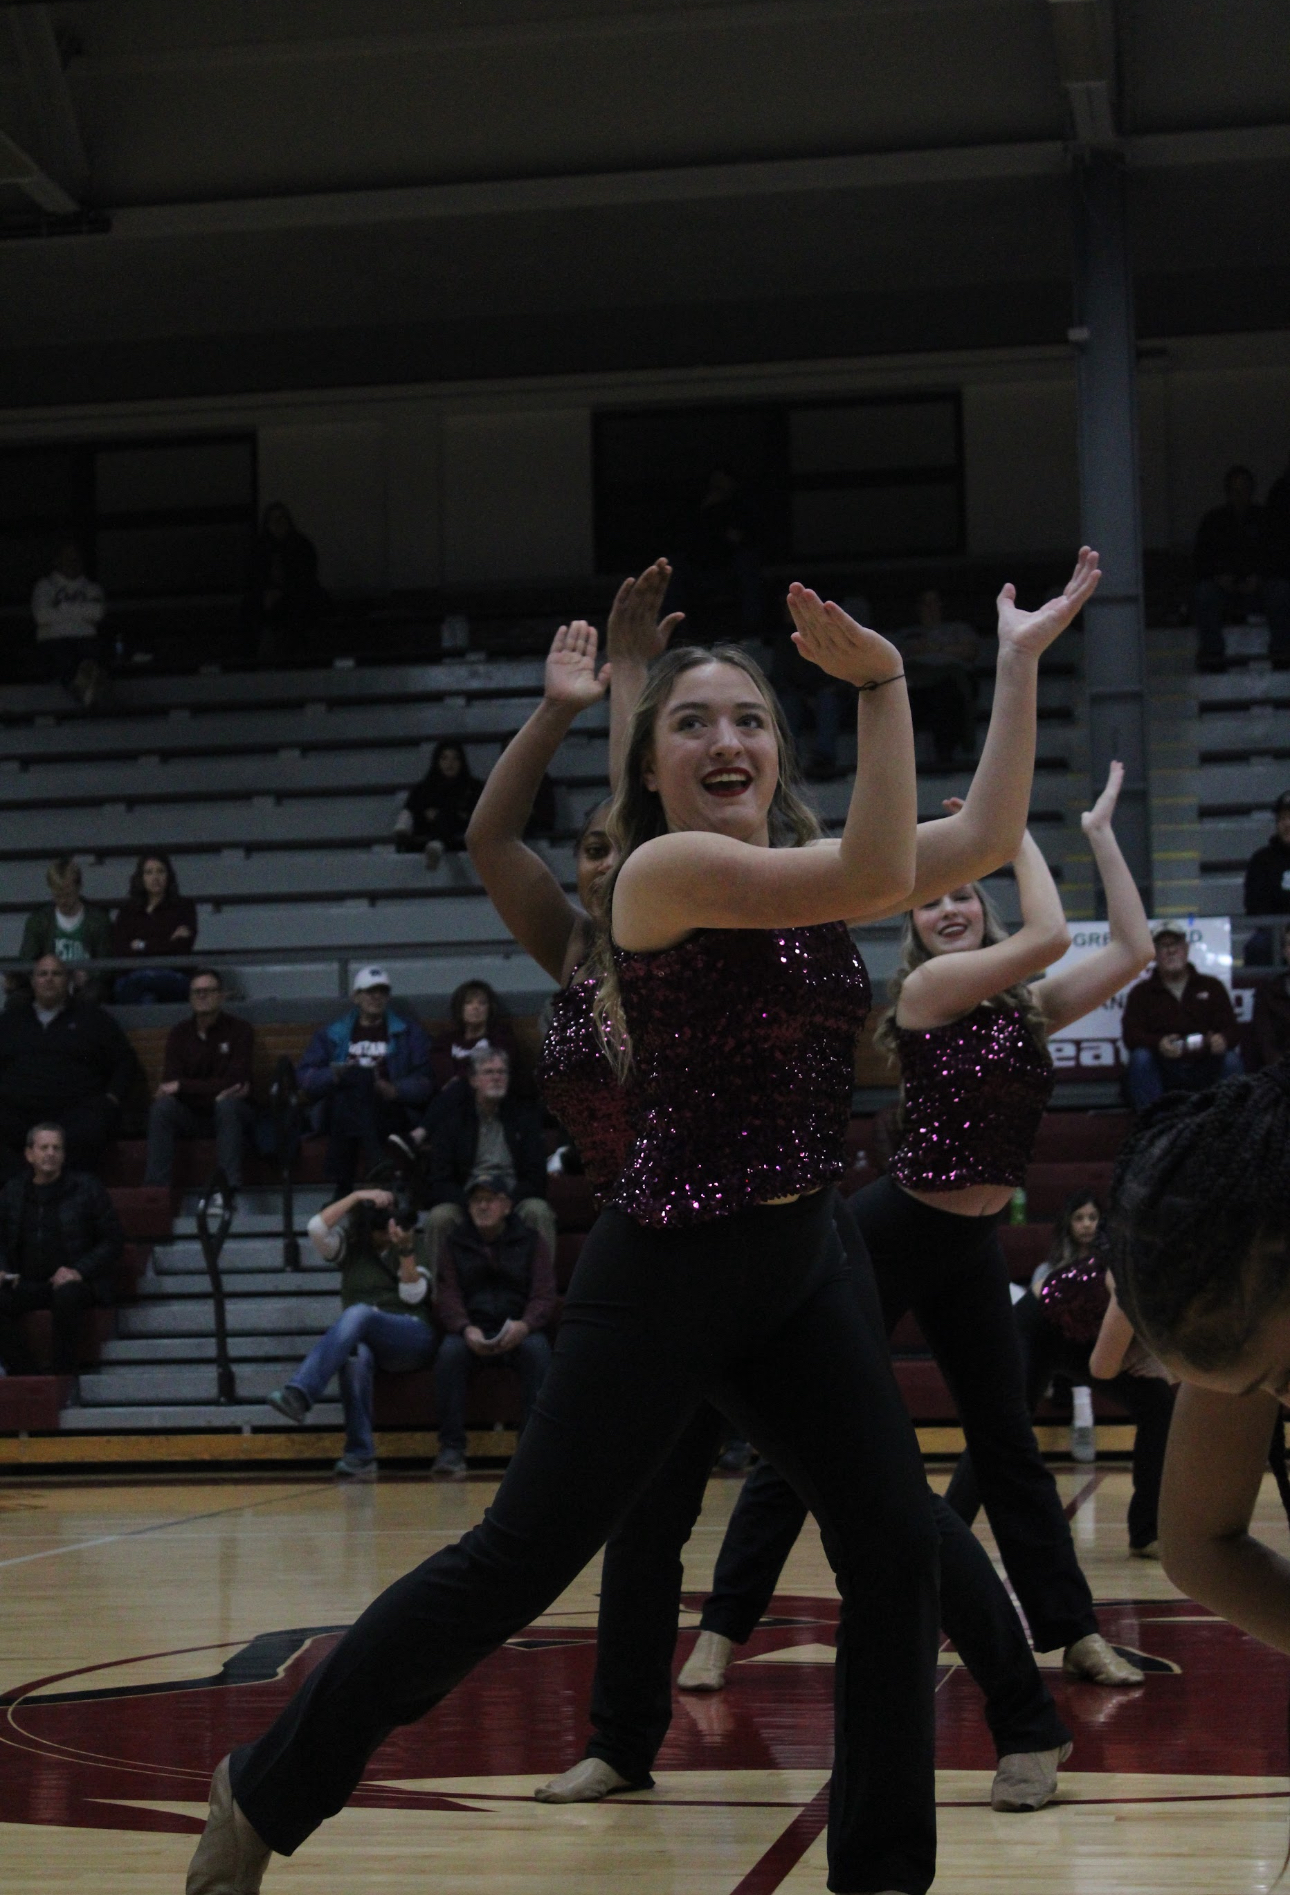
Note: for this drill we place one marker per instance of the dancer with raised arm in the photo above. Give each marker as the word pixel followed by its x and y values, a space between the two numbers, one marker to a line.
pixel 631 1701
pixel 714 1272
pixel 971 1037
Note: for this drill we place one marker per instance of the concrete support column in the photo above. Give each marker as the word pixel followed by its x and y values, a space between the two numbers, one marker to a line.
pixel 1110 509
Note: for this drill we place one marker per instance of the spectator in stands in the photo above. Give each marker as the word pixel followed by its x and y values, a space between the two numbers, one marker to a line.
pixel 495 1297
pixel 1267 883
pixel 1276 570
pixel 1230 562
pixel 386 1322
pixel 813 702
pixel 1271 1028
pixel 940 663
pixel 154 920
pixel 1179 1026
pixel 60 1240
pixel 205 1089
pixel 438 809
pixel 363 1075
pixel 64 1059
pixel 481 1129
pixel 478 1019
pixel 73 929
pixel 720 559
pixel 284 600
pixel 68 608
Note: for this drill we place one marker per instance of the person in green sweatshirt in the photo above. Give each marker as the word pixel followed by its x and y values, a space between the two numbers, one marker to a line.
pixel 73 929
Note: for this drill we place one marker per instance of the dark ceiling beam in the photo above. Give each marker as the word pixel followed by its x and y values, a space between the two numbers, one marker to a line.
pixel 59 148
pixel 1084 41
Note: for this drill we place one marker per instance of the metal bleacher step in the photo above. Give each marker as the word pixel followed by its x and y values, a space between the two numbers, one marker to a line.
pixel 262 1254
pixel 163 1418
pixel 119 1351
pixel 247 1315
pixel 244 1280
pixel 259 1207
pixel 137 1383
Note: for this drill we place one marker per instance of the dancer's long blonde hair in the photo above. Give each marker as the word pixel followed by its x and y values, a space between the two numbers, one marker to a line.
pixel 914 952
pixel 636 814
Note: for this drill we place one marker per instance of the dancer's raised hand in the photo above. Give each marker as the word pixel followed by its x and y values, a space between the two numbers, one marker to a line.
pixel 571 678
pixel 1034 632
pixel 838 645
pixel 1097 821
pixel 635 633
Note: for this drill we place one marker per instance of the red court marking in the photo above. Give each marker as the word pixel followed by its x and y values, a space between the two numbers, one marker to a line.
pixel 787 1850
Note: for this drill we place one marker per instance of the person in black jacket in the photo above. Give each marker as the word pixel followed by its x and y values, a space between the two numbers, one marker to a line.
pixel 60 1240
pixel 437 810
pixel 284 600
pixel 63 1059
pixel 1267 883
pixel 479 1128
pixel 1230 563
pixel 495 1297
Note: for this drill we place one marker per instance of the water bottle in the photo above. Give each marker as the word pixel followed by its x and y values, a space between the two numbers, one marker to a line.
pixel 1017 1207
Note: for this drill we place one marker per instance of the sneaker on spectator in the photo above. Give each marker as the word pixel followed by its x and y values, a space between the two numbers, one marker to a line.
pixel 433 854
pixel 737 1458
pixel 349 1469
pixel 291 1402
pixel 449 1465
pixel 1083 1445
pixel 403 1148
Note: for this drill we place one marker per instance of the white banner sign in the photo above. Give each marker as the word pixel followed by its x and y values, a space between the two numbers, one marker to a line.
pixel 1093 1045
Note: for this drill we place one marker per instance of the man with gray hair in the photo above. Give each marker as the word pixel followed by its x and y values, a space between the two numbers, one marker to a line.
pixel 479 1129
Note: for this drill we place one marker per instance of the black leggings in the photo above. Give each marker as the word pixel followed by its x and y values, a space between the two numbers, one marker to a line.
pixel 759 1312
pixel 640 1587
pixel 949 1270
pixel 1046 1352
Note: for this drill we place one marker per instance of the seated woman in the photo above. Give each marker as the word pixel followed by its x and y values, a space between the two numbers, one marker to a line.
pixel 437 810
pixel 154 921
pixel 478 1018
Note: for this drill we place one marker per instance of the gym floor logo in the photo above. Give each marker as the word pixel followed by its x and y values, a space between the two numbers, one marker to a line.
pixel 83 1750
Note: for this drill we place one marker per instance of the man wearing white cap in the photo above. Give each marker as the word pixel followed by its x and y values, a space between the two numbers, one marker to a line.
pixel 362 1074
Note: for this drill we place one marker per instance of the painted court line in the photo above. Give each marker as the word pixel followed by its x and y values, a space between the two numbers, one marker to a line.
pixel 161 1526
pixel 784 1854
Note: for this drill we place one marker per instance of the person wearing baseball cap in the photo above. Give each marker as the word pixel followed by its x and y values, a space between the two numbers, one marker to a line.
pixel 495 1296
pixel 363 1075
pixel 1179 1028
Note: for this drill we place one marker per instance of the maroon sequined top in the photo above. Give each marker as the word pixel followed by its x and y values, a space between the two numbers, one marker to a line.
pixel 1075 1298
pixel 975 1091
pixel 743 1047
pixel 581 1088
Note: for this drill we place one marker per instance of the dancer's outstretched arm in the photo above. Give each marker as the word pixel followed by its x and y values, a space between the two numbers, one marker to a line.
pixel 519 883
pixel 949 986
pixel 1070 995
pixel 634 637
pixel 1216 1459
pixel 986 832
pixel 697 878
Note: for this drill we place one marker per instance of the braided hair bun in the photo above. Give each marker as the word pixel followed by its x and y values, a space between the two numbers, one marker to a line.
pixel 1200 1217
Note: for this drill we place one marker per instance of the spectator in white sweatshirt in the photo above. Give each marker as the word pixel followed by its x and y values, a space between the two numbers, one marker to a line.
pixel 68 608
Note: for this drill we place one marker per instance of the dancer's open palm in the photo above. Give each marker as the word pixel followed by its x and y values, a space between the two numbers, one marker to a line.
pixel 571 678
pixel 1098 819
pixel 837 644
pixel 636 633
pixel 1034 632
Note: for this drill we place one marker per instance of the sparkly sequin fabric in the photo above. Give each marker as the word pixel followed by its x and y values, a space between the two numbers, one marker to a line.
pixel 1076 1298
pixel 743 1044
pixel 975 1091
pixel 580 1087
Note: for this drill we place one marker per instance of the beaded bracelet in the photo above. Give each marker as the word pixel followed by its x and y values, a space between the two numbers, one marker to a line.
pixel 876 684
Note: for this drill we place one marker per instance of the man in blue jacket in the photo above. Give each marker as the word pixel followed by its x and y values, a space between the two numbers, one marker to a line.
pixel 362 1074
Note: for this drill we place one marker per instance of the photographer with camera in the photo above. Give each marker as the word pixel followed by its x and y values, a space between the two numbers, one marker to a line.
pixel 1179 1029
pixel 386 1321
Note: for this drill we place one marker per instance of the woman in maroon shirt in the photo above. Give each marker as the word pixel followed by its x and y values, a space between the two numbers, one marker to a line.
pixel 154 920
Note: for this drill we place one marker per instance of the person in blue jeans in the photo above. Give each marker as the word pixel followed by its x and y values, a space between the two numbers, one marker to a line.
pixel 385 1323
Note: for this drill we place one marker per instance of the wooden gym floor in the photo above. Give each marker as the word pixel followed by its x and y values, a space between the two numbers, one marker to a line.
pixel 146 1626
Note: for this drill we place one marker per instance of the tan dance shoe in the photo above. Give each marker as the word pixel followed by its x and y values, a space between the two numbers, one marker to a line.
pixel 1096 1662
pixel 588 1782
pixel 705 1668
pixel 230 1859
pixel 1026 1779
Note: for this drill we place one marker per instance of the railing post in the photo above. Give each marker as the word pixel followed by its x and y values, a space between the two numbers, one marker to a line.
pixel 212 1242
pixel 286 1112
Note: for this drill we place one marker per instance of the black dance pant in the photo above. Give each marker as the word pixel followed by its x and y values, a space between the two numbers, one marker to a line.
pixel 949 1270
pixel 640 1590
pixel 1046 1352
pixel 760 1313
